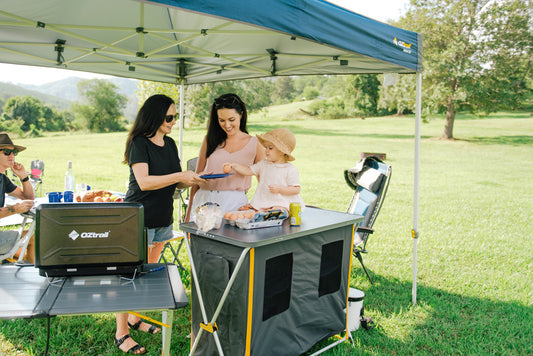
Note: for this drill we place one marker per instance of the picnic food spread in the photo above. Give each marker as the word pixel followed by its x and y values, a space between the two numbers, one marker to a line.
pixel 98 196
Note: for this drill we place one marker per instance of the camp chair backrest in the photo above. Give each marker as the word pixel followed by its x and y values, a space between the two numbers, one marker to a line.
pixel 191 164
pixel 37 169
pixel 370 180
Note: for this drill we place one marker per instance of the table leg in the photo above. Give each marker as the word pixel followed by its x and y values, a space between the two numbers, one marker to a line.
pixel 167 317
pixel 222 299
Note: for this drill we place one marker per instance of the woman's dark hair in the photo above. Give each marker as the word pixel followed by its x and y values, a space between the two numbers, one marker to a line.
pixel 149 118
pixel 215 134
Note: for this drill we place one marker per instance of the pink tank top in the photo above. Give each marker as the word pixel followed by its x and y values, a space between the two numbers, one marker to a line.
pixel 245 156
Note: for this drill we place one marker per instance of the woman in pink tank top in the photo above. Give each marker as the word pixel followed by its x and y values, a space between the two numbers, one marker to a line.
pixel 227 140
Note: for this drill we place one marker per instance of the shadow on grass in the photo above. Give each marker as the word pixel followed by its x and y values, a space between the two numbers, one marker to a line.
pixel 442 322
pixel 86 335
pixel 502 140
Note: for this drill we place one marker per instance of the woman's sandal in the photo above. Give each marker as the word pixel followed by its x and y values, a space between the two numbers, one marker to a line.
pixel 133 350
pixel 152 330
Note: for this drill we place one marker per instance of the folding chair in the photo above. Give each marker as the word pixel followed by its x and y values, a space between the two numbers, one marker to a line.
pixel 370 181
pixel 17 240
pixel 183 196
pixel 36 176
pixel 178 236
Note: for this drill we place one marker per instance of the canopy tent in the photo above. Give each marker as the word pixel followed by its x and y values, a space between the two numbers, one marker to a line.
pixel 189 41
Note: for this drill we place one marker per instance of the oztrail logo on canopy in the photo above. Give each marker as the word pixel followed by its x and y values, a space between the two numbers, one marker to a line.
pixel 406 47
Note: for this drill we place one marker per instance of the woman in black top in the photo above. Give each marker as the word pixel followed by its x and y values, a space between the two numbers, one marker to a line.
pixel 155 173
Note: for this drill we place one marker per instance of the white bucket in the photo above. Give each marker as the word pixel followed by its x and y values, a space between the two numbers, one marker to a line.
pixel 355 304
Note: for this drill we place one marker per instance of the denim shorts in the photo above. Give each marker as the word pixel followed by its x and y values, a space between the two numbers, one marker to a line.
pixel 159 234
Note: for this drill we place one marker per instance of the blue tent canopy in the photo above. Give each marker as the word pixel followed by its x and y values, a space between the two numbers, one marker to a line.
pixel 189 41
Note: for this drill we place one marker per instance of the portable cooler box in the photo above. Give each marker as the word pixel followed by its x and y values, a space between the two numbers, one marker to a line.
pixel 89 238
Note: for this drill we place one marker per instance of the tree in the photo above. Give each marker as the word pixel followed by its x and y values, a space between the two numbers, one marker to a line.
pixel 475 52
pixel 255 93
pixel 400 97
pixel 102 110
pixel 283 91
pixel 508 35
pixel 26 108
pixel 362 94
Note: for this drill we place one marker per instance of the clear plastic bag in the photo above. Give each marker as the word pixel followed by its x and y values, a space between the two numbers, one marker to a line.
pixel 209 216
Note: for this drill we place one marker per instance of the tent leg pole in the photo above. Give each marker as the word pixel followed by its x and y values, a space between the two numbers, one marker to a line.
pixel 416 178
pixel 182 119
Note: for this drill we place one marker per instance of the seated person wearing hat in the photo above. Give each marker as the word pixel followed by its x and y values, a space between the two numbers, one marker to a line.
pixel 279 182
pixel 8 151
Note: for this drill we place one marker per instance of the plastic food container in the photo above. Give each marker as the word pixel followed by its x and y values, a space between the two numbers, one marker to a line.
pixel 250 219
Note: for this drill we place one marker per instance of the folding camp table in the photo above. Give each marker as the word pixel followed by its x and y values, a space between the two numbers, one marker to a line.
pixel 270 291
pixel 26 294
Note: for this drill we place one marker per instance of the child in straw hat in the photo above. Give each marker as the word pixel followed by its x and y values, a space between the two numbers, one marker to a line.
pixel 279 182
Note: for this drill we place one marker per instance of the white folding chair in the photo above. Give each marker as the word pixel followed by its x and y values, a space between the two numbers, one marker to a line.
pixel 21 241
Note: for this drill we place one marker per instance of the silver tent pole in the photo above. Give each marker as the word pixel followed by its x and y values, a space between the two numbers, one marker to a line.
pixel 180 143
pixel 414 232
pixel 182 119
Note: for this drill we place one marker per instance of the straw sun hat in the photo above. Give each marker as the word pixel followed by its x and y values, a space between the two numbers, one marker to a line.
pixel 282 139
pixel 6 141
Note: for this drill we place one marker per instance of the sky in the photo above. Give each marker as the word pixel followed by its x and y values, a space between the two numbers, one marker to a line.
pixel 381 10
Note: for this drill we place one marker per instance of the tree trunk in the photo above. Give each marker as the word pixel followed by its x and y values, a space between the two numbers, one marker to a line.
pixel 450 118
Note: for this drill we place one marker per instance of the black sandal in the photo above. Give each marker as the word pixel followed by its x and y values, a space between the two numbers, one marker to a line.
pixel 132 350
pixel 151 330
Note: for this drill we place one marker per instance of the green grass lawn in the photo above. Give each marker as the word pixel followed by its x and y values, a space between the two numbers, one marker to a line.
pixel 475 257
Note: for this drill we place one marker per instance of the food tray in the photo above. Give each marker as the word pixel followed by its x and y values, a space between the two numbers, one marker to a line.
pixel 254 222
pixel 246 224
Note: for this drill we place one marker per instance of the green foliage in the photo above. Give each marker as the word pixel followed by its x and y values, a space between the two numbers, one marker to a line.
pixel 28 115
pixel 509 41
pixel 27 108
pixel 283 91
pixel 362 94
pixel 328 109
pixel 254 92
pixel 310 93
pixel 103 105
pixel 12 126
pixel 476 53
pixel 399 98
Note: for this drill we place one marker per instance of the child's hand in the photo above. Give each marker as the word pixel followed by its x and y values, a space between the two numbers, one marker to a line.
pixel 226 168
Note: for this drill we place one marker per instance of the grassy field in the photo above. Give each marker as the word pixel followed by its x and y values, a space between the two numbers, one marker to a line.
pixel 475 259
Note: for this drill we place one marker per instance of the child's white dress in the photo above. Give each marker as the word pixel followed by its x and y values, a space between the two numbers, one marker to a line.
pixel 284 174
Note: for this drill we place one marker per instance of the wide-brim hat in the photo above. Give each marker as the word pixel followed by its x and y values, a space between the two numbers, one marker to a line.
pixel 5 140
pixel 283 139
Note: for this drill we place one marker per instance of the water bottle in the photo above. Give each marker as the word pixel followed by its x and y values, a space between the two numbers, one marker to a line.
pixel 69 178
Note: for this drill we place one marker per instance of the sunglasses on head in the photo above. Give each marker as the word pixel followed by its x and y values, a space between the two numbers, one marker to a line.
pixel 8 151
pixel 227 102
pixel 169 118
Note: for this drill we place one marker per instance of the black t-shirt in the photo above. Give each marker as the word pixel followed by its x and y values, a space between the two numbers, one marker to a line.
pixel 6 186
pixel 158 204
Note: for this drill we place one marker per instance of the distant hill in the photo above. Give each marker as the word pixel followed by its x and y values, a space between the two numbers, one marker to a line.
pixel 8 90
pixel 60 94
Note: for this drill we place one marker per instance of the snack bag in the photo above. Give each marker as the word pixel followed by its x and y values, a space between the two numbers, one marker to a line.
pixel 208 216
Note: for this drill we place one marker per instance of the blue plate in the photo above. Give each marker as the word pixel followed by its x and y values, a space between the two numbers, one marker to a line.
pixel 213 176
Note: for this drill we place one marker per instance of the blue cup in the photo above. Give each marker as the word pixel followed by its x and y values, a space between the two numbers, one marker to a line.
pixel 54 197
pixel 68 196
